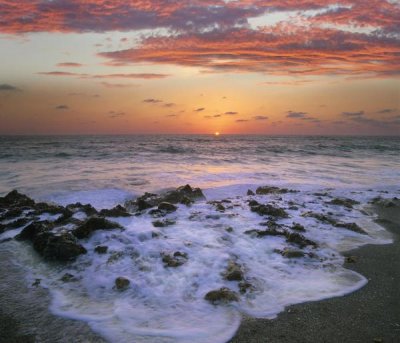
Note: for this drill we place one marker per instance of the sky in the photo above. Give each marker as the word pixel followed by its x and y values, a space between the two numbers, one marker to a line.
pixel 200 66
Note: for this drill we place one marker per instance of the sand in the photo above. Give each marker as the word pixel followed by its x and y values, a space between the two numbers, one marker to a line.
pixel 371 314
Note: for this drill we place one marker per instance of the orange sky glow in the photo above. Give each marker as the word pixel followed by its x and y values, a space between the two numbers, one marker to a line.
pixel 233 67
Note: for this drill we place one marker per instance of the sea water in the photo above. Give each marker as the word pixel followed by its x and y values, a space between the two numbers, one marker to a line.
pixel 167 304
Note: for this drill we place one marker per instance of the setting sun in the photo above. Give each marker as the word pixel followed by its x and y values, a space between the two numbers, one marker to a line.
pixel 216 133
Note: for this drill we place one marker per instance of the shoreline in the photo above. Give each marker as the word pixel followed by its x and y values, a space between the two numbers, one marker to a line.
pixel 371 314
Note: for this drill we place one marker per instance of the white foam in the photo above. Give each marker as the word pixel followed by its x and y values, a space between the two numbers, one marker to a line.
pixel 167 304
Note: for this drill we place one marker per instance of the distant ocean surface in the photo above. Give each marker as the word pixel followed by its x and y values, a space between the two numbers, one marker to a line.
pixel 330 181
pixel 45 166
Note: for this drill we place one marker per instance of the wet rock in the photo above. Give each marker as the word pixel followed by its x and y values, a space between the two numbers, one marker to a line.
pixel 94 224
pixel 121 283
pixel 298 227
pixel 267 232
pixel 88 209
pixel 16 199
pixel 350 259
pixel 321 217
pixel 218 205
pixel 184 195
pixel 344 202
pixel 298 239
pixel 34 229
pixel 14 224
pixel 67 277
pixel 264 190
pixel 250 192
pixel 164 223
pixel 233 272
pixel 101 249
pixel 62 247
pixel 268 210
pixel 117 211
pixel 223 295
pixel 288 253
pixel 352 227
pixel 12 213
pixel 167 207
pixel 36 283
pixel 175 260
pixel 245 286
pixel 229 229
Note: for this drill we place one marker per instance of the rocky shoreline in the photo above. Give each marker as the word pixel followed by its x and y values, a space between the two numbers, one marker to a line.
pixel 59 237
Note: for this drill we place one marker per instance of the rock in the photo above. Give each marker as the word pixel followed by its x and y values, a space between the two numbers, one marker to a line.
pixel 167 207
pixel 16 199
pixel 321 217
pixel 298 227
pixel 121 283
pixel 88 209
pixel 94 224
pixel 352 227
pixel 250 192
pixel 269 210
pixel 350 259
pixel 36 283
pixel 117 211
pixel 298 239
pixel 264 190
pixel 12 213
pixel 32 230
pixel 14 224
pixel 233 272
pixel 164 223
pixel 288 253
pixel 267 232
pixel 229 229
pixel 245 286
pixel 101 249
pixel 175 260
pixel 344 202
pixel 67 277
pixel 222 295
pixel 62 247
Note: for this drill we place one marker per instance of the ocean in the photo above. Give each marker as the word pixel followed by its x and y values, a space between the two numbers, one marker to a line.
pixel 166 304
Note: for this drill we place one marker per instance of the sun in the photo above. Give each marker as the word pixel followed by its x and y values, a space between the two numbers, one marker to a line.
pixel 216 133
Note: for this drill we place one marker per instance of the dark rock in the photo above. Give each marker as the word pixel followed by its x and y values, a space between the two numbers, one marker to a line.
pixel 62 247
pixel 288 253
pixel 298 239
pixel 250 192
pixel 67 277
pixel 12 213
pixel 16 199
pixel 175 260
pixel 350 259
pixel 352 227
pixel 186 201
pixel 164 223
pixel 36 283
pixel 32 230
pixel 298 227
pixel 245 286
pixel 321 217
pixel 117 211
pixel 88 209
pixel 233 272
pixel 267 232
pixel 264 190
pixel 229 229
pixel 101 249
pixel 222 295
pixel 93 224
pixel 14 224
pixel 167 207
pixel 269 210
pixel 344 202
pixel 121 283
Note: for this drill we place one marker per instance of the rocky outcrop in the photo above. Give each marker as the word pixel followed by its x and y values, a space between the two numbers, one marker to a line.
pixel 121 283
pixel 344 202
pixel 15 199
pixel 117 211
pixel 94 224
pixel 233 272
pixel 223 295
pixel 174 260
pixel 267 210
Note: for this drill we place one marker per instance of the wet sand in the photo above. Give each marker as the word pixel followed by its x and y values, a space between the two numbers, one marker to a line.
pixel 371 314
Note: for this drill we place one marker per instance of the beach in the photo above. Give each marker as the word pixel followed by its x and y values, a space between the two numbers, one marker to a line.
pixel 371 314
